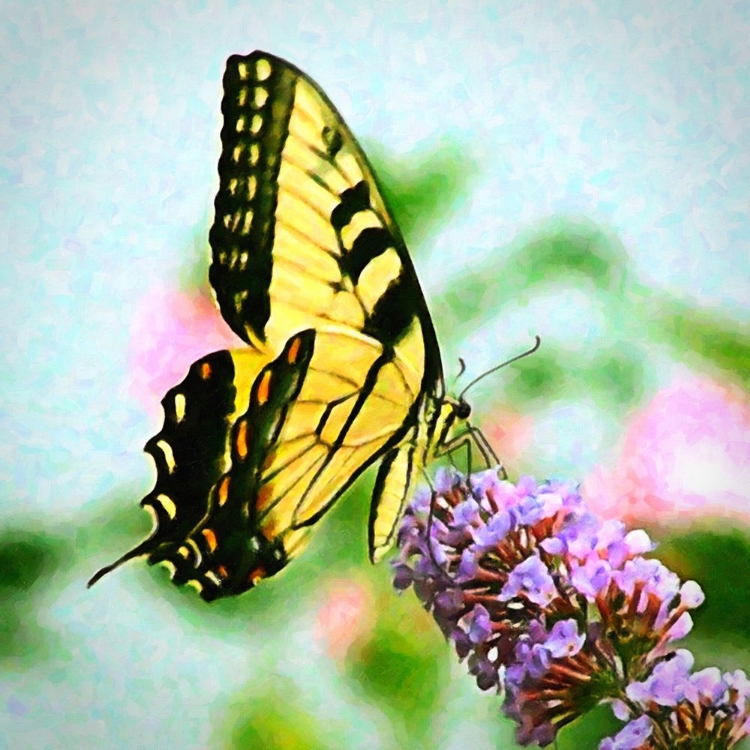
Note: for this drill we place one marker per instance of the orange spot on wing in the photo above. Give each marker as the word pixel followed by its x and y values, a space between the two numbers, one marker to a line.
pixel 223 492
pixel 223 572
pixel 210 539
pixel 241 439
pixel 293 351
pixel 205 371
pixel 257 575
pixel 264 497
pixel 270 458
pixel 264 387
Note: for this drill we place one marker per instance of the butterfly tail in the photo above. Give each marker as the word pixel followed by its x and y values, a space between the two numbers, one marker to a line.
pixel 144 548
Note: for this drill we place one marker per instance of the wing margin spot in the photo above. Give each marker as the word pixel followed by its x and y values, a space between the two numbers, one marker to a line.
pixel 258 126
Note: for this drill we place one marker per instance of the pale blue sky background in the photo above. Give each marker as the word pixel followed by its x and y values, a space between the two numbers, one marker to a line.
pixel 635 115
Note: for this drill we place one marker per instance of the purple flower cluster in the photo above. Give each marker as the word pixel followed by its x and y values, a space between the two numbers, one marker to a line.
pixel 561 611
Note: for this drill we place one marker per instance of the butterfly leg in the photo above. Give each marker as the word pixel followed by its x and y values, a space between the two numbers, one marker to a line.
pixel 471 436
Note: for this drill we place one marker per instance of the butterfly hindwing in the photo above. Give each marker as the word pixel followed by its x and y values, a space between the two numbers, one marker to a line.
pixel 190 452
pixel 396 477
pixel 229 550
pixel 219 425
pixel 313 422
pixel 347 411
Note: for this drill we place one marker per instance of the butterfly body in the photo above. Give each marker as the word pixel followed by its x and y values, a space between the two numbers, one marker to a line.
pixel 339 365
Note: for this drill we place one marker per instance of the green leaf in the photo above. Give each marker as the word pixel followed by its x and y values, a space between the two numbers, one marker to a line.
pixel 719 562
pixel 422 189
pixel 707 334
pixel 271 717
pixel 28 560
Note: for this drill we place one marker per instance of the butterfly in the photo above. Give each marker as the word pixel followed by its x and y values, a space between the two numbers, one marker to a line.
pixel 339 367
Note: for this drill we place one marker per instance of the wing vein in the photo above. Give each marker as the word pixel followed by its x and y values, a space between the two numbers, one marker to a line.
pixel 287 260
pixel 278 499
pixel 301 197
pixel 306 238
pixel 316 178
pixel 297 305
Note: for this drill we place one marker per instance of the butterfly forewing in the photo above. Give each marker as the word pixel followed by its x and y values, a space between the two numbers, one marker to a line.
pixel 302 237
pixel 299 208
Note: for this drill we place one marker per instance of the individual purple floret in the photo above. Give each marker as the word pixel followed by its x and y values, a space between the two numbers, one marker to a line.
pixel 633 736
pixel 561 611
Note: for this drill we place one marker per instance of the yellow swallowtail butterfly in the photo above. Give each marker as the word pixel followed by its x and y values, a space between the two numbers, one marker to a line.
pixel 341 366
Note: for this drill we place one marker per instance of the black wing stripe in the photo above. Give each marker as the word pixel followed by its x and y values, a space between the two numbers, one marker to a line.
pixel 369 244
pixel 353 200
pixel 393 313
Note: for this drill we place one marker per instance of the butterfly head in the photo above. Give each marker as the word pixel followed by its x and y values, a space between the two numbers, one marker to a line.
pixel 462 408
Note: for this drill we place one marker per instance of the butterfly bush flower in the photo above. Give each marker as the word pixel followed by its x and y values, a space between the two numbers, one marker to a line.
pixel 560 611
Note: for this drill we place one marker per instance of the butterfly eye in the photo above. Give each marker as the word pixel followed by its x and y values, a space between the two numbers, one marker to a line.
pixel 463 410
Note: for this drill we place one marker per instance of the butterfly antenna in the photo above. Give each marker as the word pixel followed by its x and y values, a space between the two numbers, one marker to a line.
pixel 463 367
pixel 461 371
pixel 501 365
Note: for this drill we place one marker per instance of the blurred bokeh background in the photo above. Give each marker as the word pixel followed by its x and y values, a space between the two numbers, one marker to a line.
pixel 575 170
